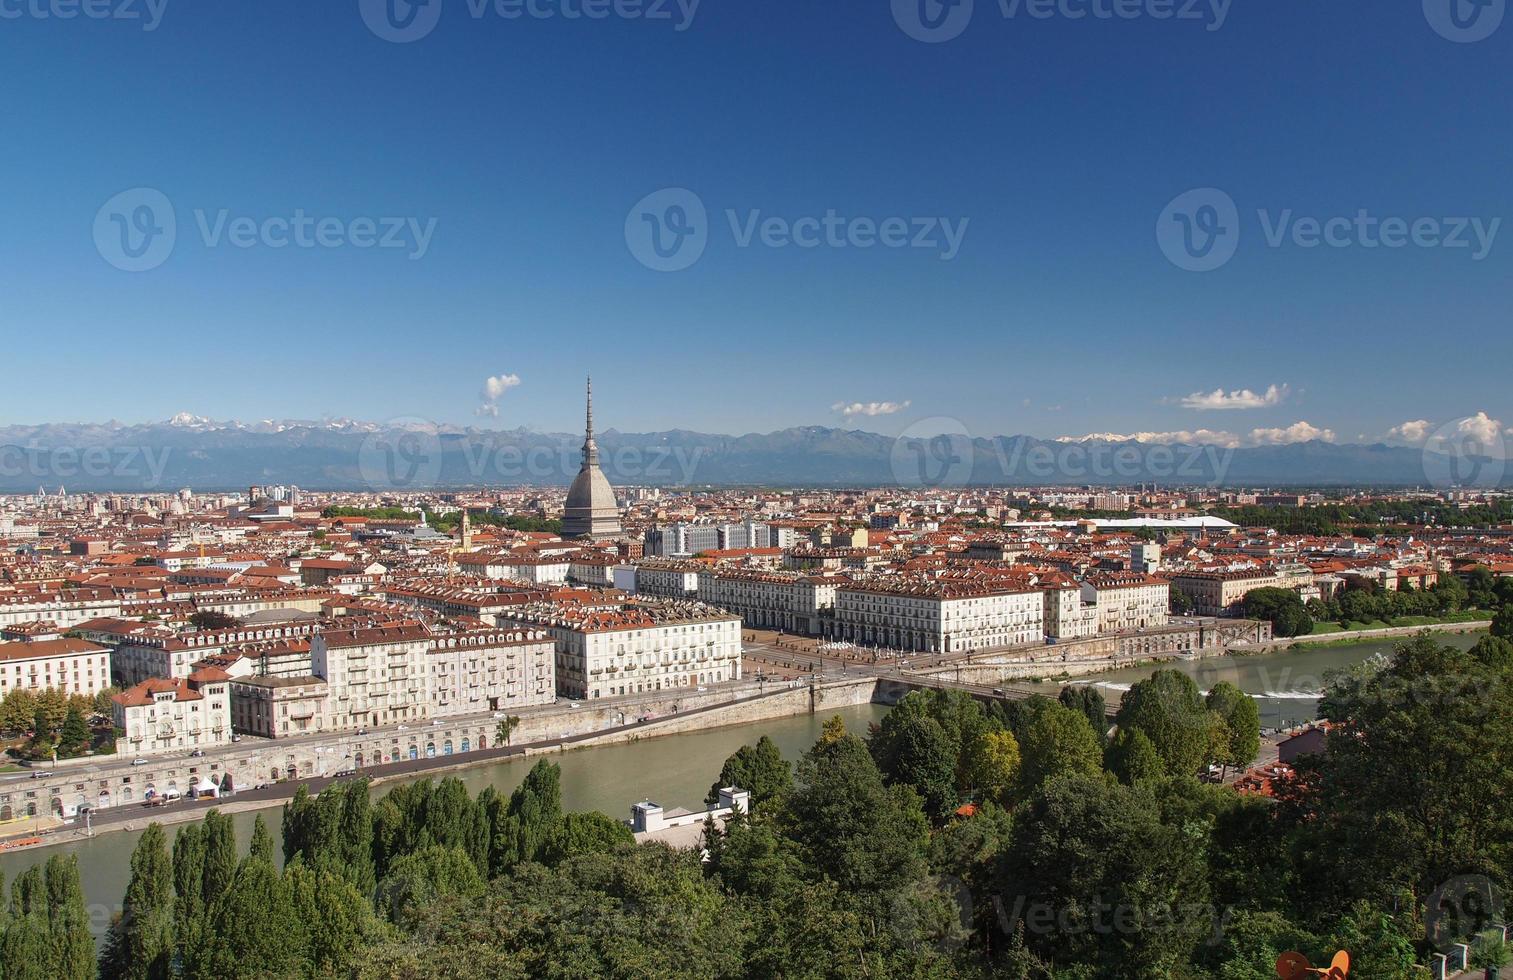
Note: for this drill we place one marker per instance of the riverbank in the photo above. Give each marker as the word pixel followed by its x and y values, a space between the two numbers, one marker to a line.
pixel 1347 637
pixel 775 703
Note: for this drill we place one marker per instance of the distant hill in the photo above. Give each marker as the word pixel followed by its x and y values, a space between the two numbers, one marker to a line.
pixel 188 451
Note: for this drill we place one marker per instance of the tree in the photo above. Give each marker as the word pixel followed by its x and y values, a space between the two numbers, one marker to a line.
pixel 1238 732
pixel 141 945
pixel 1090 701
pixel 833 730
pixel 52 706
pixel 262 841
pixel 912 748
pixel 18 710
pixel 1057 742
pixel 584 833
pixel 1494 651
pixel 425 877
pixel 103 701
pixel 993 763
pixel 211 620
pixel 1131 756
pixel 220 855
pixel 1441 715
pixel 26 951
pixel 759 769
pixel 1502 623
pixel 188 887
pixel 1182 604
pixel 337 918
pixel 1283 608
pixel 72 947
pixel 524 825
pixel 252 921
pixel 848 825
pixel 1102 882
pixel 1169 710
pixel 74 737
pixel 506 729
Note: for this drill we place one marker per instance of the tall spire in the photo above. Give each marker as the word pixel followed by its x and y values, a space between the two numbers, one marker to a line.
pixel 590 448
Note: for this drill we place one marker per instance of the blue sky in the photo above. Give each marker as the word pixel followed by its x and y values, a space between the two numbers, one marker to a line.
pixel 524 144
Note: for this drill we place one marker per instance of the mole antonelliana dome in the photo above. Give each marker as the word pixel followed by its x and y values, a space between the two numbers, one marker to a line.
pixel 591 507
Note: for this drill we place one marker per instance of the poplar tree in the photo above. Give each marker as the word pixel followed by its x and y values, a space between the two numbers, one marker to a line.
pixel 220 855
pixel 70 942
pixel 141 942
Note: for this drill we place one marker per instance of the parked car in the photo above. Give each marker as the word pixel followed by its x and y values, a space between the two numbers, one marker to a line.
pixel 236 738
pixel 42 774
pixel 139 762
pixel 197 753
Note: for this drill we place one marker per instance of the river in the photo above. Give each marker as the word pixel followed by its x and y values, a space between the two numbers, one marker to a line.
pixel 1285 684
pixel 674 770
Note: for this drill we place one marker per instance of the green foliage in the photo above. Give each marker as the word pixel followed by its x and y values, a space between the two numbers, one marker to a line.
pixel 520 830
pixel 1413 788
pixel 1502 623
pixel 849 826
pixel 1283 608
pixel 1131 756
pixel 1057 742
pixel 141 943
pixel 584 833
pixel 422 878
pixel 74 735
pixel 252 921
pixel 992 764
pixel 335 831
pixel 1237 725
pixel 261 846
pixel 506 729
pixel 1099 879
pixel 1090 701
pixel 912 748
pixel 759 769
pixel 1169 710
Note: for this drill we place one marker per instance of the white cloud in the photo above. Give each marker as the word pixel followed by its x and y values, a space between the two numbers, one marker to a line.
pixel 1415 431
pixel 495 387
pixel 868 408
pixel 1239 398
pixel 1481 428
pixel 1200 437
pixel 1296 432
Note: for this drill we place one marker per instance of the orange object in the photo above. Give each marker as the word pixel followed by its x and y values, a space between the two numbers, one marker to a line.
pixel 1295 966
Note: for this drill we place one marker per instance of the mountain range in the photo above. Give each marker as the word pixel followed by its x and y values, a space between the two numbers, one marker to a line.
pixel 190 451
